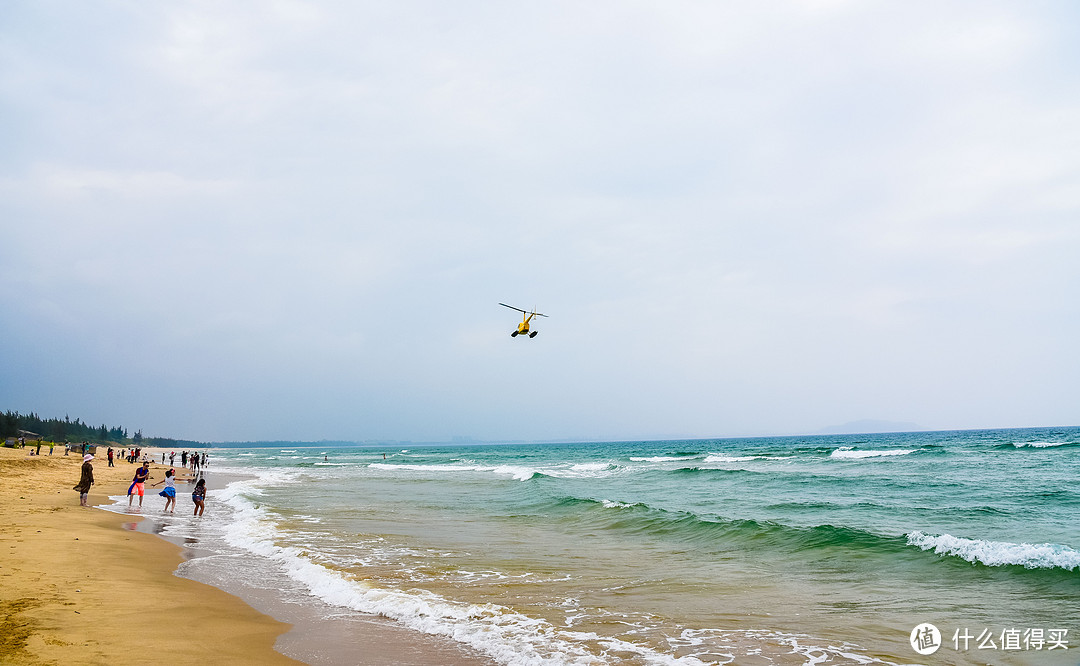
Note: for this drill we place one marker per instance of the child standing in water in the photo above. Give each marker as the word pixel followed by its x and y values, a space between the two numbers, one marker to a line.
pixel 199 496
pixel 169 493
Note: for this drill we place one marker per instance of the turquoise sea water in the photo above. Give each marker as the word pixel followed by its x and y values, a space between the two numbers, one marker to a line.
pixel 793 550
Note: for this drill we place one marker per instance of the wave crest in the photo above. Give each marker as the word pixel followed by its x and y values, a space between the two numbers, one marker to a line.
pixel 999 553
pixel 1041 445
pixel 848 452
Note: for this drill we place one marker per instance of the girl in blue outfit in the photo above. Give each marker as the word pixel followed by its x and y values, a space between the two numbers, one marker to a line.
pixel 169 493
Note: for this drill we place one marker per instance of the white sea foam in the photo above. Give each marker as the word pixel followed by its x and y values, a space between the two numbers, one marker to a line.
pixel 849 453
pixel 582 470
pixel 749 642
pixel 717 458
pixel 428 468
pixel 720 458
pixel 1039 445
pixel 592 467
pixel 502 633
pixel 656 459
pixel 517 472
pixel 999 553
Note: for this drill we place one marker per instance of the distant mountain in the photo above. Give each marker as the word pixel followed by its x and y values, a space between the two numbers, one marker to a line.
pixel 870 425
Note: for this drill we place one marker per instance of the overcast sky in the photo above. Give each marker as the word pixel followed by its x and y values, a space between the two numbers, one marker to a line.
pixel 239 220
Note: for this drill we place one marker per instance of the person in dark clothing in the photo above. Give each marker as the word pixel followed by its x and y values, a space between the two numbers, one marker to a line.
pixel 86 481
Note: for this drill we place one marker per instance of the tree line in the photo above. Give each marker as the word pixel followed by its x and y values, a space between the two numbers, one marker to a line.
pixel 67 430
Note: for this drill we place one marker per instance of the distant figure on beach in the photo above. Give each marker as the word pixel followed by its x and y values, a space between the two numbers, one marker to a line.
pixel 51 445
pixel 169 493
pixel 172 458
pixel 199 496
pixel 183 458
pixel 87 479
pixel 141 475
pixel 111 456
pixel 195 462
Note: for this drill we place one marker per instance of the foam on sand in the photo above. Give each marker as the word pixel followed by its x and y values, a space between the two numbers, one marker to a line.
pixel 504 634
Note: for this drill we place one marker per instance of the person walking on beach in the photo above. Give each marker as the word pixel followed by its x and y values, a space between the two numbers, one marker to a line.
pixel 199 496
pixel 169 493
pixel 141 475
pixel 111 455
pixel 86 481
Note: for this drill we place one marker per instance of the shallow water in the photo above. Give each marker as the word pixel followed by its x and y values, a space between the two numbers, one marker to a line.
pixel 798 550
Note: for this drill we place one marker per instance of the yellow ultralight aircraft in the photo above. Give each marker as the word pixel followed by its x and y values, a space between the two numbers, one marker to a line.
pixel 523 327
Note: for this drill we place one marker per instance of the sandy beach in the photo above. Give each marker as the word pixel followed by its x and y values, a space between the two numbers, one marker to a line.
pixel 78 586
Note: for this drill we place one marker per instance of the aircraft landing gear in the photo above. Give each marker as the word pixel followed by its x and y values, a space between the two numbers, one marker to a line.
pixel 533 334
pixel 514 334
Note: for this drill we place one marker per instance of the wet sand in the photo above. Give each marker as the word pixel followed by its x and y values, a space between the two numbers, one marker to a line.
pixel 76 587
pixel 82 585
pixel 321 633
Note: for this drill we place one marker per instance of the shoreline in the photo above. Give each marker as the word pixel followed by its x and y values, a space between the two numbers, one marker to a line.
pixel 78 585
pixel 318 632
pixel 68 575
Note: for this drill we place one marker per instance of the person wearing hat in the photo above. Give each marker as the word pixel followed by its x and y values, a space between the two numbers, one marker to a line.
pixel 87 479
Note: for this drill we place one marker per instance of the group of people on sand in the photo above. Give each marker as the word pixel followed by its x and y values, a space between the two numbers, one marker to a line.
pixel 37 451
pixel 142 474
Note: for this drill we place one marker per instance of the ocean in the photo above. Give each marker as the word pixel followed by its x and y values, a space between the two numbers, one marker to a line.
pixel 786 550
